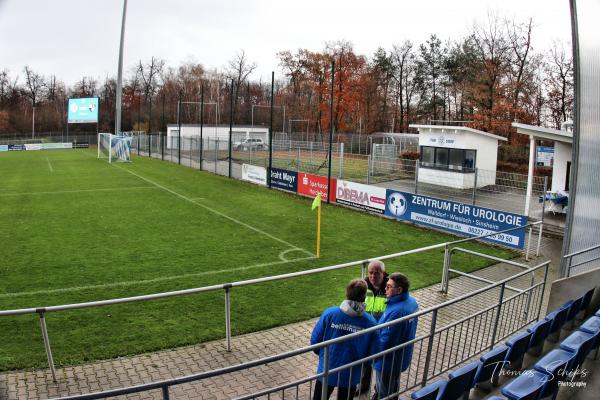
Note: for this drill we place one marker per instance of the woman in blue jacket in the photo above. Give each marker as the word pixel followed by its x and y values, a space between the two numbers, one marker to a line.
pixel 399 304
pixel 335 322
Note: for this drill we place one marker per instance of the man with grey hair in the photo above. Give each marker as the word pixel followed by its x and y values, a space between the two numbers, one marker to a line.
pixel 375 304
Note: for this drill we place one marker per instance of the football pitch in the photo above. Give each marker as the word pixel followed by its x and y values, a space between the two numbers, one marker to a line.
pixel 76 229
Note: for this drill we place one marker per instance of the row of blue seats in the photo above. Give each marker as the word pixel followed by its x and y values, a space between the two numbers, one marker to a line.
pixel 485 373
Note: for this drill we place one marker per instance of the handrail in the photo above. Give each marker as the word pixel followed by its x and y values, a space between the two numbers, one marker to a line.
pixel 576 253
pixel 306 349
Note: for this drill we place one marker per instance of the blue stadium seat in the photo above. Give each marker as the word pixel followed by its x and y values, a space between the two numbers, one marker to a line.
pixel 592 326
pixel 597 314
pixel 539 332
pixel 556 371
pixel 495 398
pixel 429 392
pixel 557 320
pixel 458 386
pixel 579 343
pixel 491 365
pixel 573 307
pixel 517 346
pixel 526 386
pixel 586 300
pixel 554 358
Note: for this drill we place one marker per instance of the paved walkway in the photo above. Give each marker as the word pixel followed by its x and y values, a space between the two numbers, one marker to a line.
pixel 162 365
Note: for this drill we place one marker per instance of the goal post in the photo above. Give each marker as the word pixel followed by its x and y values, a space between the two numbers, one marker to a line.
pixel 114 148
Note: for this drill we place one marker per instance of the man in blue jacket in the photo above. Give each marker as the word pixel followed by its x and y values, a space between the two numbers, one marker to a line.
pixel 399 304
pixel 349 317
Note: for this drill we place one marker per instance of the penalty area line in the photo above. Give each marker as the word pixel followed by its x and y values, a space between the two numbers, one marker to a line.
pixel 154 280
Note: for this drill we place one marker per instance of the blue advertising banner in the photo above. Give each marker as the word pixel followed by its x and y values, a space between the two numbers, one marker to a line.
pixel 284 179
pixel 460 218
pixel 16 147
pixel 3 147
pixel 84 110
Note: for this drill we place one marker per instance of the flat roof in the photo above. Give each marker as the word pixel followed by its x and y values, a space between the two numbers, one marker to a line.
pixel 456 129
pixel 544 133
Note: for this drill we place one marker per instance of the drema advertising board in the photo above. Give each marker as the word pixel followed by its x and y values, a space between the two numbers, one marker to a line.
pixel 254 174
pixel 464 219
pixel 83 110
pixel 310 185
pixel 365 197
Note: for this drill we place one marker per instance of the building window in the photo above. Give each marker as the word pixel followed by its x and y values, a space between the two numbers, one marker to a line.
pixel 459 160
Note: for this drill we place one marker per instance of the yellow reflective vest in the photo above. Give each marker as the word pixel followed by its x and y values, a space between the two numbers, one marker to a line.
pixel 375 300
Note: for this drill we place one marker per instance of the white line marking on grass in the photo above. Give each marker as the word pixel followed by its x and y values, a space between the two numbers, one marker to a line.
pixel 76 191
pixel 49 165
pixel 217 212
pixel 147 281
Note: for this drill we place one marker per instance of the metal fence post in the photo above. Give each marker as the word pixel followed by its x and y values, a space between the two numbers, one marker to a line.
pixel 539 243
pixel 547 267
pixel 495 330
pixel 165 392
pixel 416 176
pixel 216 154
pixel 474 186
pixel 298 157
pixel 227 288
pixel 528 244
pixel 364 269
pixel 429 347
pixel 341 160
pixel 325 373
pixel 47 343
pixel 446 270
pixel 369 169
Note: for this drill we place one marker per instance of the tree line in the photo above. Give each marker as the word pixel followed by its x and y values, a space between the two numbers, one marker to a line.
pixel 489 78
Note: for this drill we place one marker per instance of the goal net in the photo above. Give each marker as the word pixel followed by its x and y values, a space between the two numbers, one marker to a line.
pixel 114 148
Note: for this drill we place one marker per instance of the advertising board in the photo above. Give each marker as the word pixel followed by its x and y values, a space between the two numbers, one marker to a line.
pixel 365 197
pixel 453 217
pixel 284 179
pixel 310 185
pixel 16 147
pixel 83 110
pixel 544 156
pixel 57 146
pixel 3 147
pixel 33 146
pixel 254 174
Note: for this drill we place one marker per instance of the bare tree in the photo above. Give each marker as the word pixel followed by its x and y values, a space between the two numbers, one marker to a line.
pixel 34 89
pixel 560 85
pixel 149 74
pixel 239 70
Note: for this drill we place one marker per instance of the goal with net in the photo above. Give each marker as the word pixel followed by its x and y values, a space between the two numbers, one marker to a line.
pixel 114 148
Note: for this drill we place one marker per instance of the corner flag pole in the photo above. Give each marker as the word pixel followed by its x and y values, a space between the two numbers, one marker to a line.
pixel 317 204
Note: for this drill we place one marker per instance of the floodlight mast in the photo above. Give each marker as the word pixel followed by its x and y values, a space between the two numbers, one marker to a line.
pixel 120 74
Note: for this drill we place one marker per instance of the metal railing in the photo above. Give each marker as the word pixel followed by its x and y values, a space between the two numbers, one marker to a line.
pixel 438 347
pixel 568 264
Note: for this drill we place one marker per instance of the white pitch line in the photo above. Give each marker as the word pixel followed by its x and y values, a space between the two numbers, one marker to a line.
pixel 75 191
pixel 217 212
pixel 148 281
pixel 49 165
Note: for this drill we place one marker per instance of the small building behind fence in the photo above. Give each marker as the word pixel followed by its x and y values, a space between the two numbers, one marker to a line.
pixel 214 132
pixel 451 155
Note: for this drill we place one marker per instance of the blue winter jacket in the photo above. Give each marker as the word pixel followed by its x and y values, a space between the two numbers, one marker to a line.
pixel 397 307
pixel 335 323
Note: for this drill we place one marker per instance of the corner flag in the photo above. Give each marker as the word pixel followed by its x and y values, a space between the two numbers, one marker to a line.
pixel 317 204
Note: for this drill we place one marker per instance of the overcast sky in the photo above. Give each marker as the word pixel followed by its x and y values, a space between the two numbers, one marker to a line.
pixel 72 39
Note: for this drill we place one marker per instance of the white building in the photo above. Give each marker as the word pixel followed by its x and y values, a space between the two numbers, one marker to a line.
pixel 457 156
pixel 561 167
pixel 214 132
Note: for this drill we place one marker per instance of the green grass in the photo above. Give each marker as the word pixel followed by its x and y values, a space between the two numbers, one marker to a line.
pixel 76 229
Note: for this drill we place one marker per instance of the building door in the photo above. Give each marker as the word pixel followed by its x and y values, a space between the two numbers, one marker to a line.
pixel 568 176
